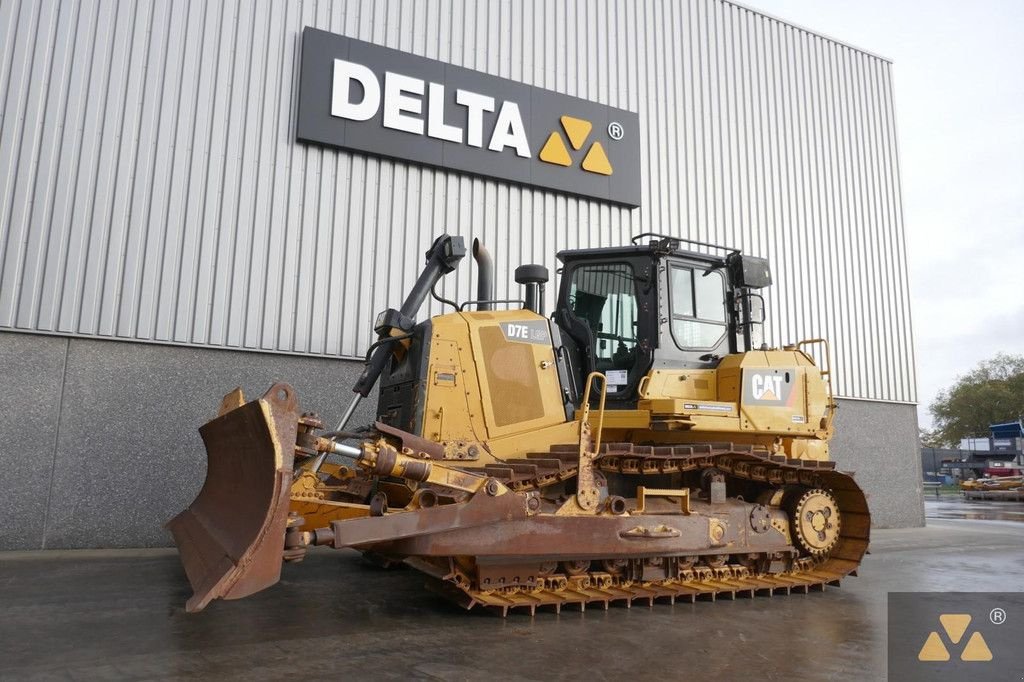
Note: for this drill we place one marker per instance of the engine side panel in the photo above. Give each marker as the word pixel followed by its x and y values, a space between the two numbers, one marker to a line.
pixel 516 368
pixel 490 375
pixel 773 398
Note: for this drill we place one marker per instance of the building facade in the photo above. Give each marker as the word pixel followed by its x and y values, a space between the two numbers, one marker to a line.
pixel 165 235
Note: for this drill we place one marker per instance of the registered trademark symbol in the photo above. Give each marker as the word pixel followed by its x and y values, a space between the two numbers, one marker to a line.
pixel 615 130
pixel 997 616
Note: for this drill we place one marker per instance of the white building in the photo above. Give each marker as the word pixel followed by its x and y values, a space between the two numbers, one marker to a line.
pixel 164 235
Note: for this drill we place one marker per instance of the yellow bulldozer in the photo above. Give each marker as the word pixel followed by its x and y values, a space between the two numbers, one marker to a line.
pixel 641 443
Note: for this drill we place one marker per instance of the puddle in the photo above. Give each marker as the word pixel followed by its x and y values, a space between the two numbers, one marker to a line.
pixel 977 510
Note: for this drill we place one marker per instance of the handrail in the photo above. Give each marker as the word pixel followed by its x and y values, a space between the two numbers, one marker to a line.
pixel 462 307
pixel 827 373
pixel 641 388
pixel 640 236
pixel 828 352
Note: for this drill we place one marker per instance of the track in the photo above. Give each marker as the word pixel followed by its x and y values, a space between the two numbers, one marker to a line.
pixel 603 589
pixel 741 464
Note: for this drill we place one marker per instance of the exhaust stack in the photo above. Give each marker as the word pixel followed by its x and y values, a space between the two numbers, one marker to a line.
pixel 485 275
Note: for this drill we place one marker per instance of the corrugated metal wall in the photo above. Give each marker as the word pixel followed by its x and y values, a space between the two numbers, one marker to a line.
pixel 151 187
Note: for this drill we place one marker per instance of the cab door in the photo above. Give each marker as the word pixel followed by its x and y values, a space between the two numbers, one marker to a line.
pixel 608 310
pixel 697 331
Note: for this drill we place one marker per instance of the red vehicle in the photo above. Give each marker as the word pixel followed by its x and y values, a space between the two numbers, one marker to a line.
pixel 1004 470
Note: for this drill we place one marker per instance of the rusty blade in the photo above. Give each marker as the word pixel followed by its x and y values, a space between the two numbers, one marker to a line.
pixel 231 538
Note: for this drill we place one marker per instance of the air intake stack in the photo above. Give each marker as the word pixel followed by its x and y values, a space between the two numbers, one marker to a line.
pixel 533 277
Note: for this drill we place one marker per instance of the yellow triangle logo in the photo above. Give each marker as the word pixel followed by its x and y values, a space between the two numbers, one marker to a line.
pixel 768 394
pixel 976 649
pixel 955 625
pixel 933 649
pixel 596 160
pixel 554 151
pixel 577 129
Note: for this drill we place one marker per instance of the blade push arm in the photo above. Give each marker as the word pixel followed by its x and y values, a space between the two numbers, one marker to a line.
pixel 442 258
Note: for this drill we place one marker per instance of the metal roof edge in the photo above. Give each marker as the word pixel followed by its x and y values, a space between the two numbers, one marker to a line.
pixel 888 401
pixel 805 29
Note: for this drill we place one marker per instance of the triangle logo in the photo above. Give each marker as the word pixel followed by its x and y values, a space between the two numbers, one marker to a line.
pixel 577 129
pixel 955 625
pixel 976 649
pixel 554 151
pixel 596 161
pixel 933 649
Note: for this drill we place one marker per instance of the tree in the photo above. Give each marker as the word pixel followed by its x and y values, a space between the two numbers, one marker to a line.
pixel 928 439
pixel 991 393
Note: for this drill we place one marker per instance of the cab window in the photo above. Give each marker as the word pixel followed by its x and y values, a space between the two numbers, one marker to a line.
pixel 605 297
pixel 697 298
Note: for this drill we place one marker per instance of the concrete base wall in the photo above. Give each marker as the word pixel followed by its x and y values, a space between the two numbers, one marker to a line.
pixel 879 443
pixel 98 440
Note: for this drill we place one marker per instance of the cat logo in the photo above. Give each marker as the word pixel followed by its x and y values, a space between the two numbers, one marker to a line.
pixel 766 386
pixel 955 625
pixel 577 130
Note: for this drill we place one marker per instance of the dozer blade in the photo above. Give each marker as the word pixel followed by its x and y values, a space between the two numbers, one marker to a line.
pixel 231 538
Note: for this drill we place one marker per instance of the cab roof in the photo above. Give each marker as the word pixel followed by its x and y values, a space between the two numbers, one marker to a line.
pixel 655 248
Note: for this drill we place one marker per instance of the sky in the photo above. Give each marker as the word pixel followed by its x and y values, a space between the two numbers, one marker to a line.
pixel 958 73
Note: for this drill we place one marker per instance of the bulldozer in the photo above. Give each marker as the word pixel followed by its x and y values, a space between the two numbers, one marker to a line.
pixel 641 443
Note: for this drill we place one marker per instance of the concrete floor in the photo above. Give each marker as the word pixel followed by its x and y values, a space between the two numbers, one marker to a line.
pixel 97 615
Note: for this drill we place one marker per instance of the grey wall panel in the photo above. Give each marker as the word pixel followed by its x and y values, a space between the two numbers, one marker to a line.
pixel 879 443
pixel 151 188
pixel 128 456
pixel 32 368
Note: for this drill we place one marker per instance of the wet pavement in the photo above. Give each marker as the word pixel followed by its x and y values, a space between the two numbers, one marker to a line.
pixel 956 507
pixel 97 615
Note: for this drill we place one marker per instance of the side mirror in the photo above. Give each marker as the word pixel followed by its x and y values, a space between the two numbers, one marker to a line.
pixel 757 308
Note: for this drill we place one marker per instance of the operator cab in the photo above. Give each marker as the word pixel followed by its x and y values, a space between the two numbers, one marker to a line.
pixel 627 310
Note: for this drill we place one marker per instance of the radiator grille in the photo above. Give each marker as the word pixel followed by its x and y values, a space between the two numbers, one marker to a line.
pixel 512 377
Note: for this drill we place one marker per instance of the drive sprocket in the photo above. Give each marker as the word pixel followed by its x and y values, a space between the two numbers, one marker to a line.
pixel 815 521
